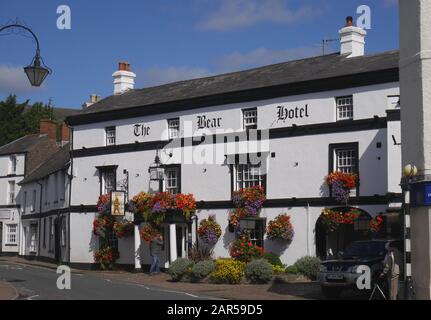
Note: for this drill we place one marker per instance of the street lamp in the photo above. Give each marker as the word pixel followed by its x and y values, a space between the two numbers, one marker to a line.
pixel 37 71
pixel 156 170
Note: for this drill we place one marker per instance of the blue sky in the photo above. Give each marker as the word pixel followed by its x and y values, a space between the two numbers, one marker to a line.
pixel 169 40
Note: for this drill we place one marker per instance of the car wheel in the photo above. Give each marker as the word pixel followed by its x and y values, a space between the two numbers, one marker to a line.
pixel 331 293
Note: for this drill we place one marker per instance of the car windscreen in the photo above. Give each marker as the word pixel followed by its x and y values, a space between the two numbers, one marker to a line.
pixel 365 249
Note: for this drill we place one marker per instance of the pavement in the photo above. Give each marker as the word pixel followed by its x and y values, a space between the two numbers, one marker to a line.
pixel 36 280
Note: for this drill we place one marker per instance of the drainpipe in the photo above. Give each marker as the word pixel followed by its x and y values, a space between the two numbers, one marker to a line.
pixel 70 194
pixel 308 230
pixel 40 218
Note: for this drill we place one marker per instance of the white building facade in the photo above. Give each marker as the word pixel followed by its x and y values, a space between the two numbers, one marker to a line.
pixel 44 206
pixel 302 120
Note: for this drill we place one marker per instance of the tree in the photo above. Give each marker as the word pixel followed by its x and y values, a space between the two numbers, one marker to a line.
pixel 12 124
pixel 20 119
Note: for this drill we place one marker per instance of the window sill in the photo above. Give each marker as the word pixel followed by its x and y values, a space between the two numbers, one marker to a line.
pixel 11 244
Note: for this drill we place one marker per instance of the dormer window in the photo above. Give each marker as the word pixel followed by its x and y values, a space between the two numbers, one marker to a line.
pixel 110 136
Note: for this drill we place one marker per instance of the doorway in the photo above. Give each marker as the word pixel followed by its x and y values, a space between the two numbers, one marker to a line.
pixel 329 244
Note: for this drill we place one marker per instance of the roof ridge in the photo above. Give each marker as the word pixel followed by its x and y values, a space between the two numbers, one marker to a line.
pixel 19 139
pixel 29 176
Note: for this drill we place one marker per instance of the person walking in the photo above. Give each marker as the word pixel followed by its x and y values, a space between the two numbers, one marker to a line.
pixel 155 248
pixel 391 270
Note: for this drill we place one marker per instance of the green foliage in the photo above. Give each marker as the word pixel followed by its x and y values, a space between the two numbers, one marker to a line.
pixel 200 253
pixel 308 266
pixel 273 259
pixel 292 270
pixel 179 268
pixel 259 271
pixel 202 269
pixel 278 270
pixel 20 119
pixel 228 271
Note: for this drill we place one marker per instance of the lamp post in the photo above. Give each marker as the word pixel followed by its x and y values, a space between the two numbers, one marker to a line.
pixel 37 71
pixel 410 171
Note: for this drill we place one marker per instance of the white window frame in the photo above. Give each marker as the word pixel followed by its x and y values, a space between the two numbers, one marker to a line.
pixel 345 160
pixel 249 118
pixel 12 164
pixel 33 230
pixel 111 136
pixel 174 128
pixel 242 178
pixel 33 201
pixel 172 180
pixel 11 192
pixel 344 108
pixel 105 175
pixel 12 234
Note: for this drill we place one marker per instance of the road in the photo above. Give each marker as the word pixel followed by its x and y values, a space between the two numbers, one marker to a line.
pixel 34 283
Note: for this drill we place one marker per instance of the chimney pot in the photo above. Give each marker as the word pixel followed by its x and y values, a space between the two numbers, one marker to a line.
pixel 352 39
pixel 124 66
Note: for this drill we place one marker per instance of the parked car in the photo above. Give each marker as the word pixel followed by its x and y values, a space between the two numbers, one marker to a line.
pixel 338 275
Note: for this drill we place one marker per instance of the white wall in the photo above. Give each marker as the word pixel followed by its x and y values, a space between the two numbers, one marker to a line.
pixel 368 102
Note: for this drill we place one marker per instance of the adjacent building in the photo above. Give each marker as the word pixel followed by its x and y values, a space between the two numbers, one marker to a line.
pixel 17 160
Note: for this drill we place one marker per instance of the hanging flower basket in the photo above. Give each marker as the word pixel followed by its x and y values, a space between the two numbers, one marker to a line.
pixel 209 230
pixel 281 229
pixel 244 250
pixel 341 184
pixel 155 207
pixel 104 204
pixel 106 257
pixel 376 224
pixel 123 229
pixel 101 224
pixel 333 219
pixel 149 233
pixel 248 203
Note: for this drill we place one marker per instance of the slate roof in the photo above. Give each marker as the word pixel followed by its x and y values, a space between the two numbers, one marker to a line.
pixel 292 72
pixel 23 144
pixel 54 163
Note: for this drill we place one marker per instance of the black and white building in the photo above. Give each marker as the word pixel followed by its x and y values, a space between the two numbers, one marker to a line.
pixel 301 120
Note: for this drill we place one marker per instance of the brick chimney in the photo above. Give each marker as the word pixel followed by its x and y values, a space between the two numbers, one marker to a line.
pixel 352 39
pixel 124 78
pixel 65 133
pixel 48 127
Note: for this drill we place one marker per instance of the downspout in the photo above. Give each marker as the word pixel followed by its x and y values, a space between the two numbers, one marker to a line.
pixel 40 218
pixel 308 230
pixel 70 194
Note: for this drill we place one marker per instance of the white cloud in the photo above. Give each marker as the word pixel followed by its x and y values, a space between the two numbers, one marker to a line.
pixel 161 75
pixel 233 14
pixel 263 56
pixel 13 80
